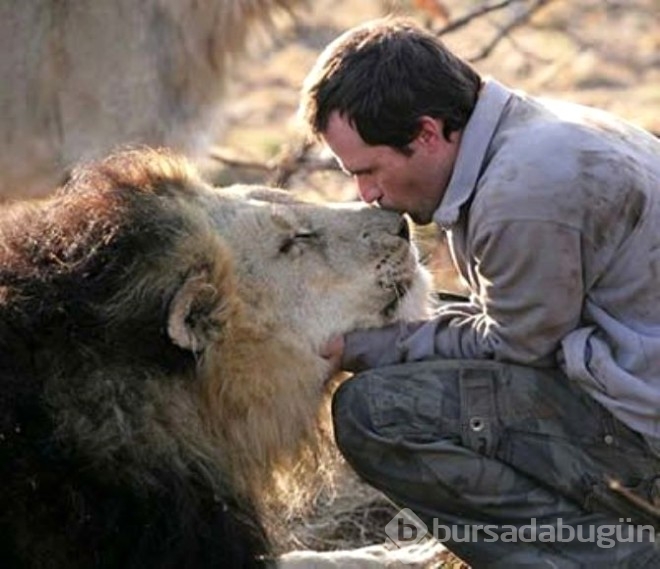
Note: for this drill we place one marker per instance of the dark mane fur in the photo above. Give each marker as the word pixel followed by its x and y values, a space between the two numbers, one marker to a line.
pixel 83 483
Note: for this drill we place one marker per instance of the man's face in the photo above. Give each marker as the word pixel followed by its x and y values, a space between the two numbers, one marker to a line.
pixel 411 184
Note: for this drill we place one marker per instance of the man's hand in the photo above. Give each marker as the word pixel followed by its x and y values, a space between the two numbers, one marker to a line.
pixel 332 351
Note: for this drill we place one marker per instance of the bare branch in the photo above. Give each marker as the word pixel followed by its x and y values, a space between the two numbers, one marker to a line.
pixel 278 171
pixel 642 504
pixel 475 14
pixel 516 22
pixel 229 159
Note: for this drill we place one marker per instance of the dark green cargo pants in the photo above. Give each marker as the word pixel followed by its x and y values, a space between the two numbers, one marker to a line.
pixel 519 451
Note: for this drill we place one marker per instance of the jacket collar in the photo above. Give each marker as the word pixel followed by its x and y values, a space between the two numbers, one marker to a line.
pixel 475 140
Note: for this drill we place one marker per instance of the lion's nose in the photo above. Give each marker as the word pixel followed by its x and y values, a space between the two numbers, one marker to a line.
pixel 404 230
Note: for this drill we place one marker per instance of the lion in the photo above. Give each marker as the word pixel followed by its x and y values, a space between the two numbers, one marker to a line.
pixel 81 78
pixel 159 357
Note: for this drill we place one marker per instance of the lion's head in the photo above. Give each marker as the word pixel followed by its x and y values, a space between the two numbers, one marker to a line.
pixel 313 270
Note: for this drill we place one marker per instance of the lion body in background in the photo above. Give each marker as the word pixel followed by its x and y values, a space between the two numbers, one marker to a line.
pixel 81 77
pixel 159 358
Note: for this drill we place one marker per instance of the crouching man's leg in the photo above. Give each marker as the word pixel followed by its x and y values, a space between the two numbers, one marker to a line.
pixel 518 451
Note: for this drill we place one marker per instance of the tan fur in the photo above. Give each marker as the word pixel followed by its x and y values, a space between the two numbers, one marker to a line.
pixel 81 77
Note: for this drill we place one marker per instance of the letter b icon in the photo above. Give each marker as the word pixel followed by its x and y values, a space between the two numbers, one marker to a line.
pixel 406 528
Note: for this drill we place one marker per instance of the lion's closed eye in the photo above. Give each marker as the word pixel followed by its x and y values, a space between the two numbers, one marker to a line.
pixel 289 244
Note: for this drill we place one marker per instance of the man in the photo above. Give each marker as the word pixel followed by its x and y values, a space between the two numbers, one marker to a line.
pixel 518 409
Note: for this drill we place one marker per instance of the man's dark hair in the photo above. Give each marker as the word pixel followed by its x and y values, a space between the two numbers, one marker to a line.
pixel 382 77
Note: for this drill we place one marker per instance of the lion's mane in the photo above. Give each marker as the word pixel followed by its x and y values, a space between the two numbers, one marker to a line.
pixel 107 428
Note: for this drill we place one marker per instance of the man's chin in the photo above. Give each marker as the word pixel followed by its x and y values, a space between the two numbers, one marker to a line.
pixel 420 218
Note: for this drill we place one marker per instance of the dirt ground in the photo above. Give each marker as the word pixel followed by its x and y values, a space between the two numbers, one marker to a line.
pixel 604 53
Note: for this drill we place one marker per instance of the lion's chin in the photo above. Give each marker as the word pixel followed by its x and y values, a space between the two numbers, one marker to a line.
pixel 399 292
pixel 412 302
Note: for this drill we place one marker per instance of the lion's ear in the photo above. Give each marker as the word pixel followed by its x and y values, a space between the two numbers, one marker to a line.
pixel 197 313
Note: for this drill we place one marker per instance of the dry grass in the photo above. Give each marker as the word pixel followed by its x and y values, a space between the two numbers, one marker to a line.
pixel 343 516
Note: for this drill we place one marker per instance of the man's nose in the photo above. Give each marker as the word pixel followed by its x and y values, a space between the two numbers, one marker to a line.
pixel 368 190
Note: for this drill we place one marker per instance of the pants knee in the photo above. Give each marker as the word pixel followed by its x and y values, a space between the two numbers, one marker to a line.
pixel 351 418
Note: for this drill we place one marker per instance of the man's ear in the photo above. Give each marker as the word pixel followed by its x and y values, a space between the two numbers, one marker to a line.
pixel 198 312
pixel 430 131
